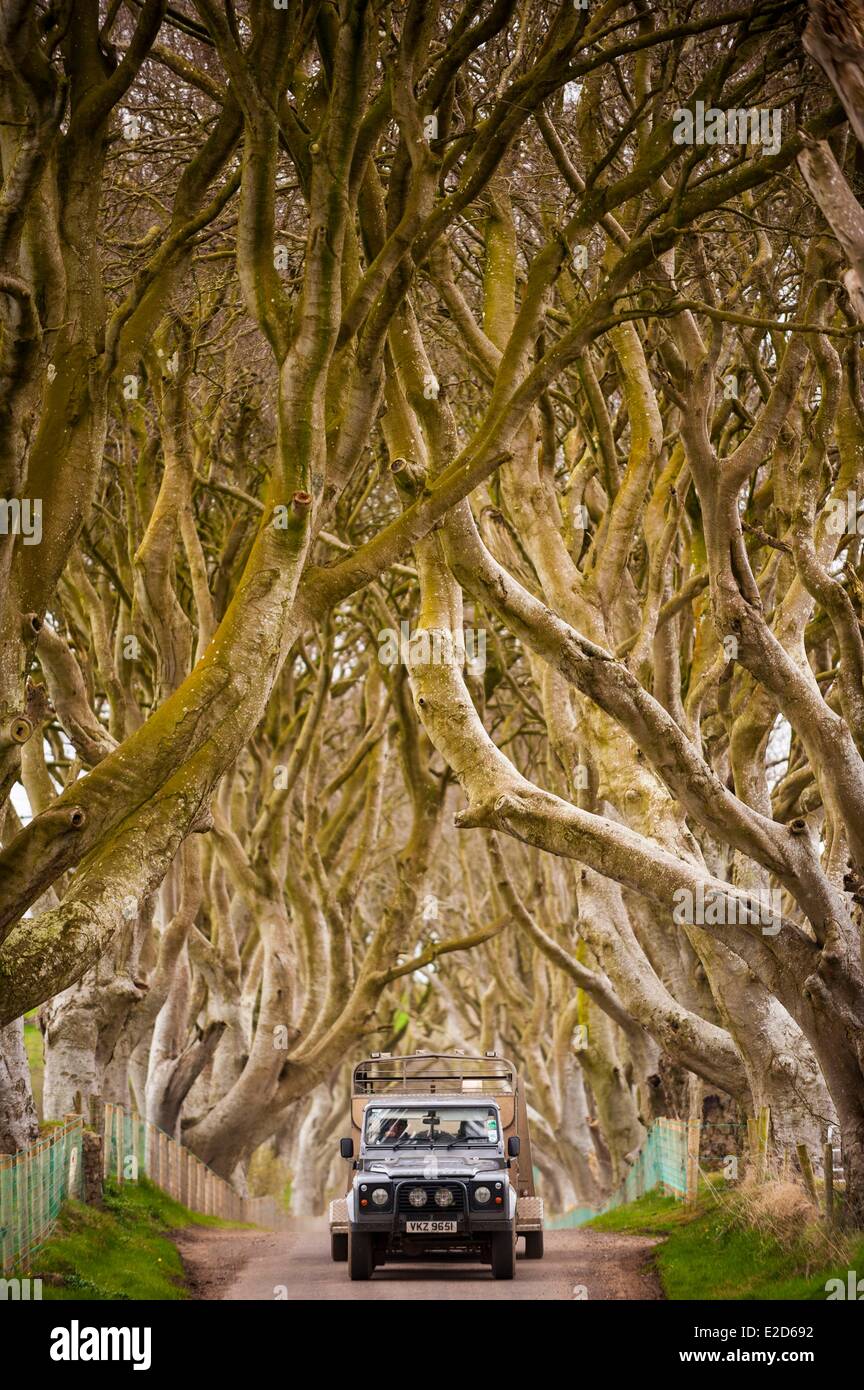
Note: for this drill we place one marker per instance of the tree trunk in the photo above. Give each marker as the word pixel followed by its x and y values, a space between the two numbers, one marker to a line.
pixel 19 1125
pixel 71 1067
pixel 310 1169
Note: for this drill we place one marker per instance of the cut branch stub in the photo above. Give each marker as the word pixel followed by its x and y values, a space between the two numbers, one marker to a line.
pixel 410 476
pixel 20 729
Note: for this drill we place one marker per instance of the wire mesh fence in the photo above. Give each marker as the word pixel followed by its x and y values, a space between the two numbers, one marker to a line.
pixel 677 1154
pixel 133 1147
pixel 34 1184
pixel 662 1162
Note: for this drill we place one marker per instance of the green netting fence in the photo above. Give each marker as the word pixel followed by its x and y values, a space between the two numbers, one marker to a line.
pixel 662 1162
pixel 132 1147
pixel 35 1183
pixel 33 1186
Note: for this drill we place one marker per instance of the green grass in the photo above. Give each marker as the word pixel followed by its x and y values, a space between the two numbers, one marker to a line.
pixel 708 1252
pixel 121 1251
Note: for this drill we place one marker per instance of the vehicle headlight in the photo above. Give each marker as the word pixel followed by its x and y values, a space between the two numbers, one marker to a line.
pixel 482 1194
pixel 380 1196
pixel 444 1197
pixel 417 1196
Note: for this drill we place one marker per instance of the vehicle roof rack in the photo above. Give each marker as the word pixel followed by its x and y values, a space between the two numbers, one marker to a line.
pixel 431 1072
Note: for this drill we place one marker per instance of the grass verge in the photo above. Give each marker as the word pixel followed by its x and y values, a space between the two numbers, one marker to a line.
pixel 119 1251
pixel 712 1250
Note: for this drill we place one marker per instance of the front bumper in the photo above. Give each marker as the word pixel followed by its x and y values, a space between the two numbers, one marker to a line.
pixel 467 1225
pixel 471 1222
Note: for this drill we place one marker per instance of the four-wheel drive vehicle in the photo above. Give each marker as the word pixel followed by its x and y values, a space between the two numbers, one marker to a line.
pixel 441 1165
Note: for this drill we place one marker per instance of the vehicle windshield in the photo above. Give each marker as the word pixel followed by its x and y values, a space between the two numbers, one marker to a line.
pixel 397 1126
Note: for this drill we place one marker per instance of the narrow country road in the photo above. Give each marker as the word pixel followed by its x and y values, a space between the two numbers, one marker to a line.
pixel 296 1265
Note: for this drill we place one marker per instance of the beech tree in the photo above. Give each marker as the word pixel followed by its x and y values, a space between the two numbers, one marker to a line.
pixel 330 323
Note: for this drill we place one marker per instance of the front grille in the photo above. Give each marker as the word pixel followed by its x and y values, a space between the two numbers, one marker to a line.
pixel 431 1208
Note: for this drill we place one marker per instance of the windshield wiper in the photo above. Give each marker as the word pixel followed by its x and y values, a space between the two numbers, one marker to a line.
pixel 467 1139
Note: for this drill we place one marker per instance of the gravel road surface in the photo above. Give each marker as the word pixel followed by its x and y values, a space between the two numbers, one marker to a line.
pixel 296 1265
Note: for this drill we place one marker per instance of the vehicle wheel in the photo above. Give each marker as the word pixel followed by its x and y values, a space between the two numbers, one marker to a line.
pixel 359 1256
pixel 503 1255
pixel 339 1246
pixel 533 1245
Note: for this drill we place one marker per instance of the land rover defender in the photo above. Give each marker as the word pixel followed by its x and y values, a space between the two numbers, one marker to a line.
pixel 440 1165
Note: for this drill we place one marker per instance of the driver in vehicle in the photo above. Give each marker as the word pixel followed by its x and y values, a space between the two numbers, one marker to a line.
pixel 392 1131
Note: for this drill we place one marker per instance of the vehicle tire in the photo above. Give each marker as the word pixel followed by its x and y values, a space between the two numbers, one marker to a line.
pixel 503 1255
pixel 359 1256
pixel 533 1245
pixel 339 1246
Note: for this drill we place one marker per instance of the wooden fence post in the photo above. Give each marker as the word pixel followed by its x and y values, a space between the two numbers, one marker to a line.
pixel 107 1110
pixel 92 1164
pixel 7 1245
pixel 752 1141
pixel 763 1130
pixel 807 1172
pixel 119 1128
pixel 694 1135
pixel 828 1163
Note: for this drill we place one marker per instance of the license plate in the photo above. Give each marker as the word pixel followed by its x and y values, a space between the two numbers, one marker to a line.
pixel 431 1228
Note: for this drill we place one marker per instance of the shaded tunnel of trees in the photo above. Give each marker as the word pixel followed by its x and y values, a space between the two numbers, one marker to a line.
pixel 431 576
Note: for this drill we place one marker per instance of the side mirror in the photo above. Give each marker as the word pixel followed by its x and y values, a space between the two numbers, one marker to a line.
pixel 346 1148
pixel 513 1146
